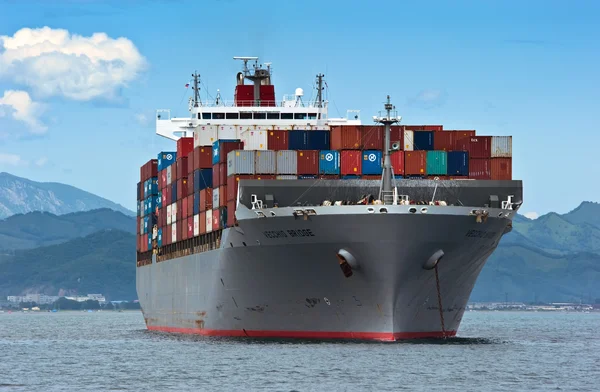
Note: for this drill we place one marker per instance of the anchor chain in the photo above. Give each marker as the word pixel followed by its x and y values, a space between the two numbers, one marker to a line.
pixel 439 295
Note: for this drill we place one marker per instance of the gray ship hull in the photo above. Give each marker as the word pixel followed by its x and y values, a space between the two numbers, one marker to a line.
pixel 279 275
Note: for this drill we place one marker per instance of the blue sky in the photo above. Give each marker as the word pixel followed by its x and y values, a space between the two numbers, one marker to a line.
pixel 81 110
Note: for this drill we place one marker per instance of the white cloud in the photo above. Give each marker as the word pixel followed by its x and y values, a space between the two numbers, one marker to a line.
pixel 19 105
pixel 532 215
pixel 54 62
pixel 41 161
pixel 12 160
pixel 142 119
pixel 429 98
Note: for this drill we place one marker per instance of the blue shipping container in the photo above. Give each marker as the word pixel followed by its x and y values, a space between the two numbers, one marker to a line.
pixel 145 189
pixel 203 179
pixel 159 199
pixel 298 140
pixel 216 146
pixel 371 164
pixel 166 159
pixel 139 208
pixel 151 203
pixel 329 162
pixel 145 227
pixel 153 186
pixel 150 241
pixel 350 177
pixel 318 140
pixel 458 163
pixel 223 218
pixel 196 202
pixel 423 140
pixel 159 238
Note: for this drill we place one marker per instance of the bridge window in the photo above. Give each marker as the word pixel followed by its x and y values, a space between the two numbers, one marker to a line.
pixel 232 116
pixel 272 116
pixel 205 116
pixel 218 116
pixel 245 116
pixel 287 116
pixel 299 116
pixel 260 116
pixel 312 116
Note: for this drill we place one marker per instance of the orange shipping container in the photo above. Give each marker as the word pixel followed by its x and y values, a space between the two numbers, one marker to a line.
pixel 372 137
pixel 346 137
pixel 397 160
pixel 351 162
pixel 202 158
pixel 415 162
pixel 480 168
pixel 501 169
pixel 203 222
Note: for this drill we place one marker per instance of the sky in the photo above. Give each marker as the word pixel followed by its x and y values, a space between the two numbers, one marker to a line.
pixel 80 80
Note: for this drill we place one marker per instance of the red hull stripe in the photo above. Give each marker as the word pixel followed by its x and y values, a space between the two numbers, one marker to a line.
pixel 386 336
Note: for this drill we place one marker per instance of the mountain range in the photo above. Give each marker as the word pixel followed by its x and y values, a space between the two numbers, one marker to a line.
pixel 555 258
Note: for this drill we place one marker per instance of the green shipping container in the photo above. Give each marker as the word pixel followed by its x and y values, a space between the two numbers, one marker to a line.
pixel 437 163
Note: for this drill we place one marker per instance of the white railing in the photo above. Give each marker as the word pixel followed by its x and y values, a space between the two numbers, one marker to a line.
pixel 263 104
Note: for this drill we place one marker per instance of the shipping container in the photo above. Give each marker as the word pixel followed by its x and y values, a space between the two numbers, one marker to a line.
pixel 184 146
pixel 240 162
pixel 480 169
pixel 183 229
pixel 215 198
pixel 287 161
pixel 501 147
pixel 209 224
pixel 169 192
pixel 202 219
pixel 254 140
pixel 372 162
pixel 165 159
pixel 265 162
pixel 286 177
pixel 174 212
pixel 219 174
pixel 149 170
pixel 350 162
pixel 190 164
pixel 437 163
pixel 408 140
pixel 501 169
pixel 196 205
pixel 140 191
pixel 443 141
pixel 298 140
pixel 167 238
pixel 346 137
pixel 159 200
pixel 174 176
pixel 145 243
pixel 458 163
pixel 423 140
pixel 206 198
pixel 227 132
pixel 170 175
pixel 308 162
pixel 184 208
pixel 182 167
pixel 205 135
pixel 190 228
pixel 460 134
pixel 164 178
pixel 174 193
pixel 203 158
pixel 182 188
pixel 425 127
pixel 196 224
pixel 190 205
pixel 373 137
pixel 174 238
pixel 216 219
pixel 231 213
pixel 223 196
pixel 221 148
pixel 478 146
pixel 318 140
pixel 139 209
pixel 329 162
pixel 278 140
pixel 203 179
pixel 415 162
pixel 159 237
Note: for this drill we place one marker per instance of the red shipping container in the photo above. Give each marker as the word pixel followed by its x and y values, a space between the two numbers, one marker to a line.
pixel 308 162
pixel 145 243
pixel 166 240
pixel 346 137
pixel 501 169
pixel 372 137
pixel 480 169
pixel 351 162
pixel 219 177
pixel 233 183
pixel 478 146
pixel 149 170
pixel 138 219
pixel 203 222
pixel 182 188
pixel 190 163
pixel 182 167
pixel 190 187
pixel 190 227
pixel 397 160
pixel 424 127
pixel 167 196
pixel 184 146
pixel 231 213
pixel 443 140
pixel 216 222
pixel 415 162
pixel 202 158
pixel 184 229
pixel 226 147
pixel 223 195
pixel 459 134
pixel 190 204
pixel 184 208
pixel 174 174
pixel 278 140
pixel 397 134
pixel 206 199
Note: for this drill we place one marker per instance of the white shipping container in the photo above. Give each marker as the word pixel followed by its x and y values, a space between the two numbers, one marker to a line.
pixel 169 174
pixel 287 162
pixel 254 139
pixel 501 146
pixel 286 177
pixel 215 200
pixel 409 140
pixel 196 225
pixel 265 162
pixel 205 135
pixel 208 221
pixel 174 212
pixel 227 132
pixel 169 220
pixel 141 226
pixel 240 162
pixel 173 233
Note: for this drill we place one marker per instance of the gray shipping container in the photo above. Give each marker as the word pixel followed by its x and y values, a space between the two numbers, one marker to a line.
pixel 169 177
pixel 240 162
pixel 287 162
pixel 265 162
pixel 501 146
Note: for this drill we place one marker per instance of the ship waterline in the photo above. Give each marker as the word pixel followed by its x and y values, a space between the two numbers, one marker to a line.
pixel 280 277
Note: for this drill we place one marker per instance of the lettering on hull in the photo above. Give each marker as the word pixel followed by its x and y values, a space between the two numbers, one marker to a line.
pixel 293 233
pixel 481 234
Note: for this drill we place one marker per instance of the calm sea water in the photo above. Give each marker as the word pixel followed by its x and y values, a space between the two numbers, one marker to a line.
pixel 110 351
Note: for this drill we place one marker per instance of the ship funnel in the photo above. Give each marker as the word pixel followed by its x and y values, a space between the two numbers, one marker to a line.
pixel 240 78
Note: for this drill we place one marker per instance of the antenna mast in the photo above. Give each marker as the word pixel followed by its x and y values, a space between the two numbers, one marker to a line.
pixel 320 90
pixel 196 89
pixel 387 118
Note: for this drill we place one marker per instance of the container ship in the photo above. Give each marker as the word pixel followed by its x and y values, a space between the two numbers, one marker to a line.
pixel 271 219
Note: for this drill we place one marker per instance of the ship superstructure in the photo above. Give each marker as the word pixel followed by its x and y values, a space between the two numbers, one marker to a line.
pixel 273 220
